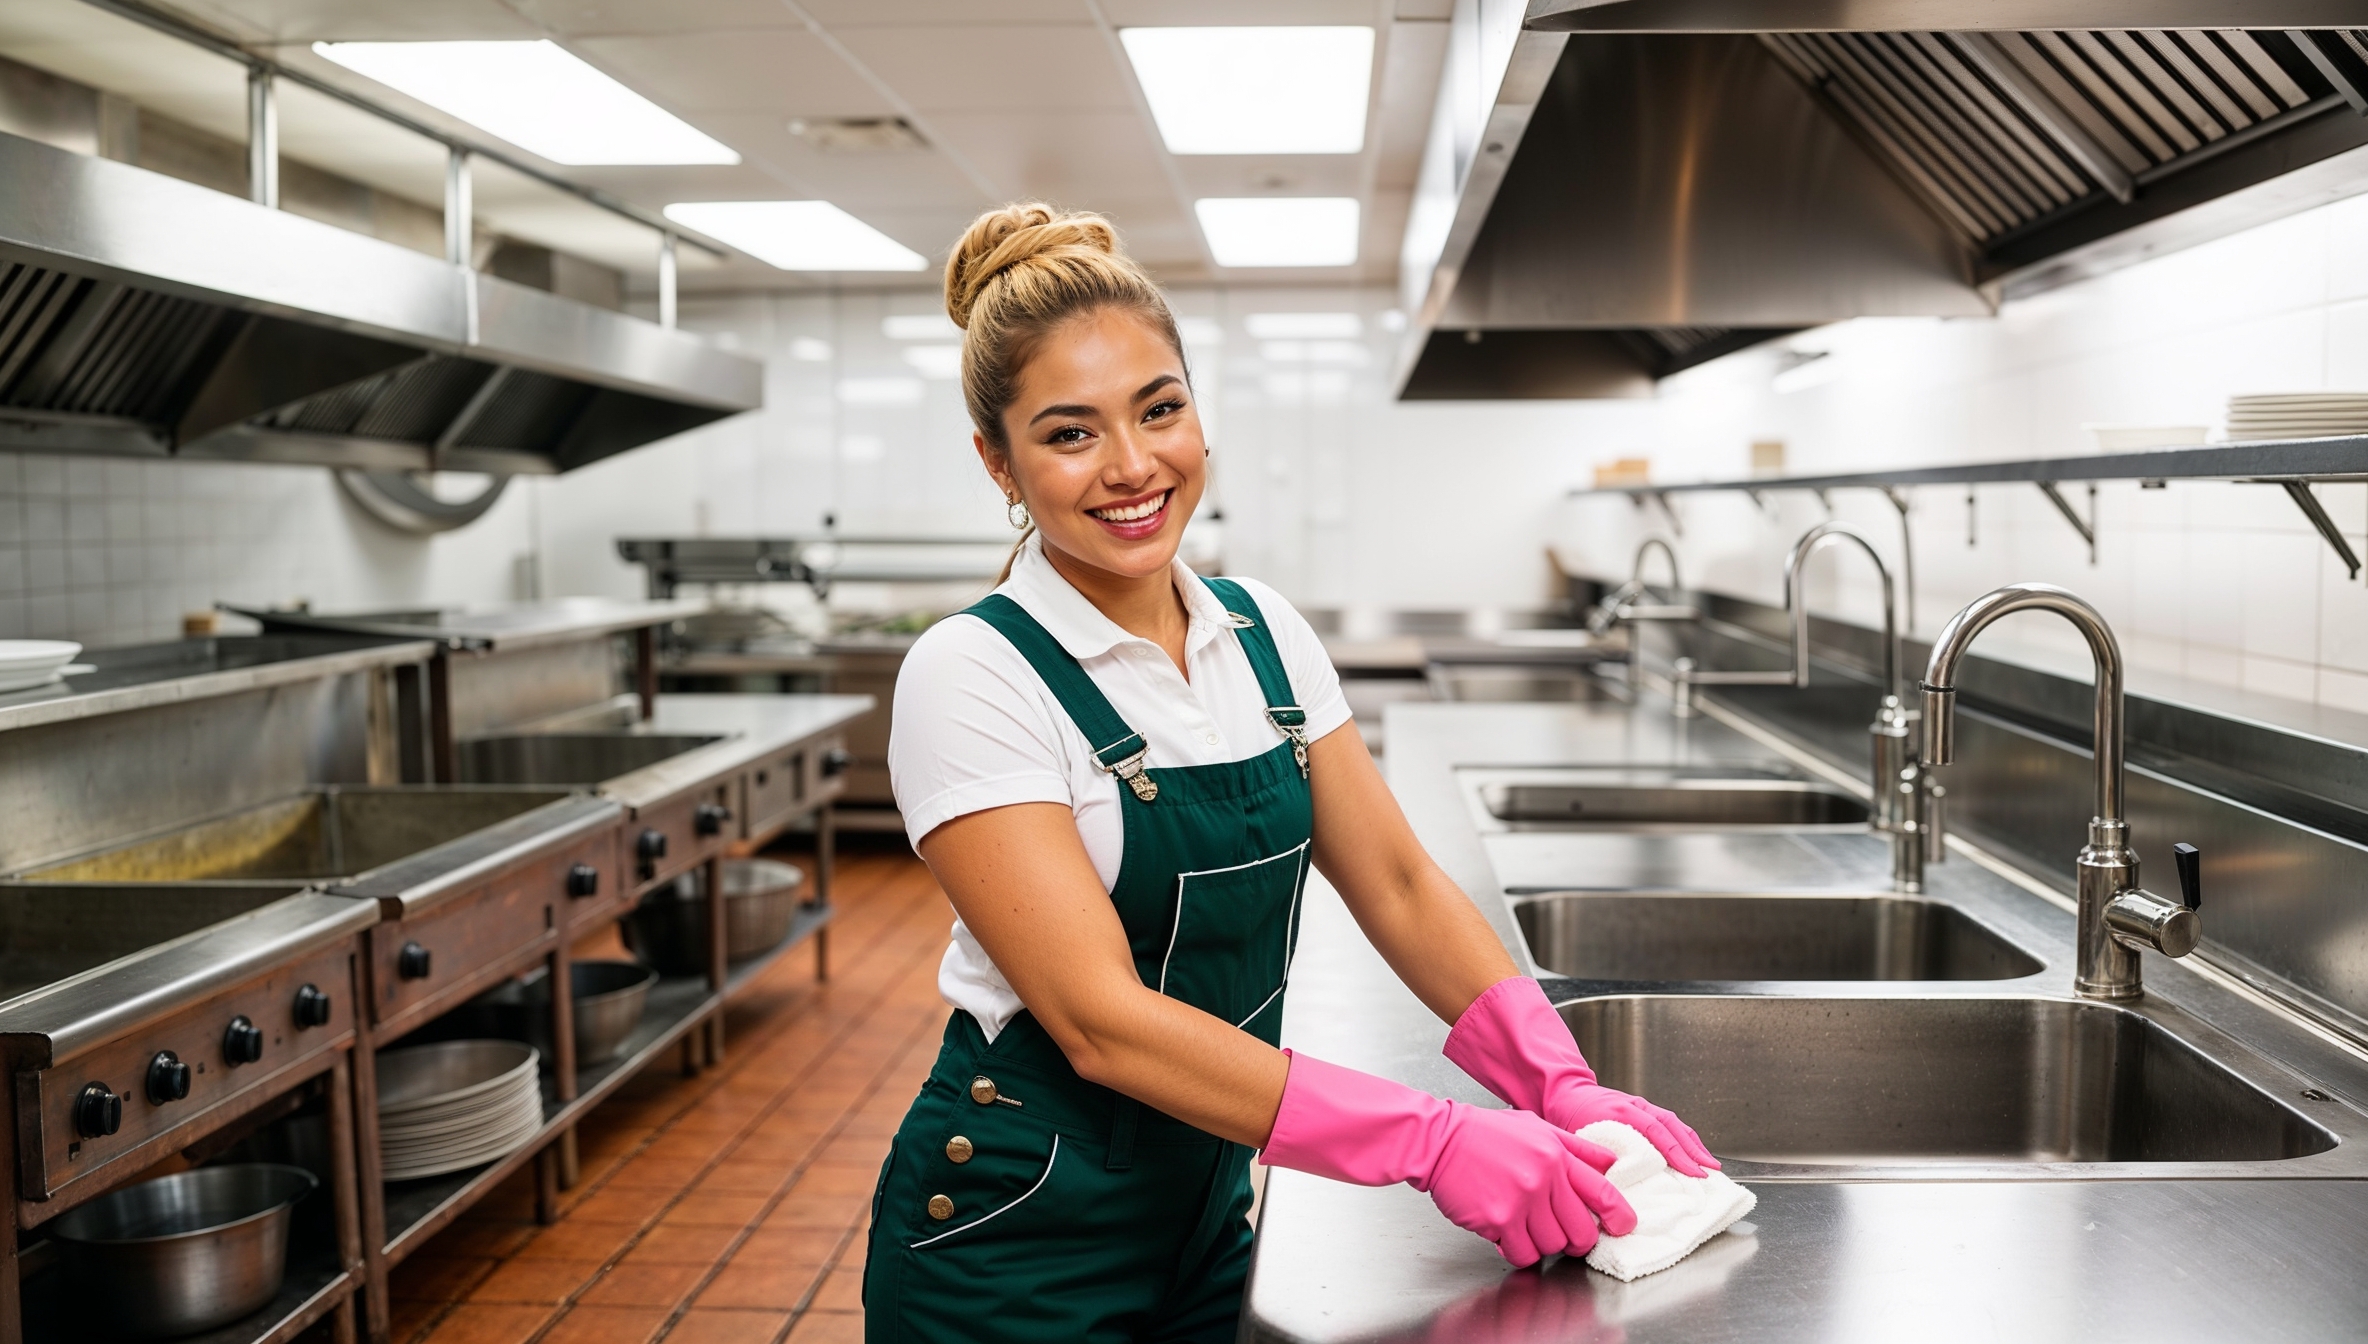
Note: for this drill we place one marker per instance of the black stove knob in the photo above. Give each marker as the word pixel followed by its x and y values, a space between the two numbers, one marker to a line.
pixel 837 761
pixel 649 847
pixel 312 1007
pixel 168 1078
pixel 709 818
pixel 583 880
pixel 414 962
pixel 242 1040
pixel 98 1112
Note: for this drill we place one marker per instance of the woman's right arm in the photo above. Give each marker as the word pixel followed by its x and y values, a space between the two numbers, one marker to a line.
pixel 1020 878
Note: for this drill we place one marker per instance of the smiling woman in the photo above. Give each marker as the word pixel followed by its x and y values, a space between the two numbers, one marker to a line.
pixel 1076 1166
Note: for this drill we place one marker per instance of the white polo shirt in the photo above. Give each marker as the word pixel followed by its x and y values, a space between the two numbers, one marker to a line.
pixel 976 728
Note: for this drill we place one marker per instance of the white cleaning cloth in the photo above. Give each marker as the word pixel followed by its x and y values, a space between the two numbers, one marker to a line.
pixel 1674 1213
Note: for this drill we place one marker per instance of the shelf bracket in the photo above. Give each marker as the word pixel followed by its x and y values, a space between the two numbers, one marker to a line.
pixel 1677 525
pixel 1759 500
pixel 1827 500
pixel 2087 530
pixel 2300 493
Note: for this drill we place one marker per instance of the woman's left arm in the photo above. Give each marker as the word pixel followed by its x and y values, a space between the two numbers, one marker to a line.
pixel 1421 922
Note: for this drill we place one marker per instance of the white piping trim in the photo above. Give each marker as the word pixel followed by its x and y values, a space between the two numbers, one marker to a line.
pixel 1049 1160
pixel 1177 927
pixel 1290 926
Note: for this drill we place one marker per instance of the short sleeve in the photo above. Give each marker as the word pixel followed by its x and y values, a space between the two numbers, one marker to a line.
pixel 1313 679
pixel 972 729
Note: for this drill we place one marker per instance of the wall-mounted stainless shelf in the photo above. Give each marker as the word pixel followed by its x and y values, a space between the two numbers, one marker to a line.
pixel 2295 465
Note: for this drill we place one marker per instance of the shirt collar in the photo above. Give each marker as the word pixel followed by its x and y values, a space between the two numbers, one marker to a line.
pixel 1080 627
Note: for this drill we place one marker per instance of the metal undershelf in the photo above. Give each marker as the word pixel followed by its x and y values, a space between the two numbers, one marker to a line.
pixel 2294 465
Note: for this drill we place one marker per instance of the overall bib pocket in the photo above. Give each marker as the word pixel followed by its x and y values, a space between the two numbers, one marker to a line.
pixel 1230 950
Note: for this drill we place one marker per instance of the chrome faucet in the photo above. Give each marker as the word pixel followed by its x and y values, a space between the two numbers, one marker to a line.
pixel 1621 604
pixel 2117 916
pixel 1906 800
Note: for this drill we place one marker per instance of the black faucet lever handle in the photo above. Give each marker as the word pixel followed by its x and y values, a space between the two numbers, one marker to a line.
pixel 2190 861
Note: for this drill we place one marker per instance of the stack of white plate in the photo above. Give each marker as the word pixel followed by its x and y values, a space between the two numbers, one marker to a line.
pixel 2297 415
pixel 454 1105
pixel 26 663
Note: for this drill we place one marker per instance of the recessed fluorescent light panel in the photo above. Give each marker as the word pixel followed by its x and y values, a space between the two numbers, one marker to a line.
pixel 797 235
pixel 537 96
pixel 1304 326
pixel 1255 90
pixel 1280 230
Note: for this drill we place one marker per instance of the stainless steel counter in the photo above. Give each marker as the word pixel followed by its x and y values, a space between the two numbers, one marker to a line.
pixel 2037 1251
pixel 751 727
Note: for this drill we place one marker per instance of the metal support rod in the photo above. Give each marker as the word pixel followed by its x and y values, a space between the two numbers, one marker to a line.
pixel 263 137
pixel 1984 53
pixel 173 25
pixel 2333 63
pixel 460 206
pixel 2087 530
pixel 2300 493
pixel 666 281
pixel 1676 524
pixel 1827 500
pixel 1907 553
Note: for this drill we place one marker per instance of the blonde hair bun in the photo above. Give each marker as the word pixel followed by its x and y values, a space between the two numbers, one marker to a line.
pixel 1023 270
pixel 1022 236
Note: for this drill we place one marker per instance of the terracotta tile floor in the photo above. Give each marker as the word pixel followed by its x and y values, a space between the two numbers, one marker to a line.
pixel 728 1208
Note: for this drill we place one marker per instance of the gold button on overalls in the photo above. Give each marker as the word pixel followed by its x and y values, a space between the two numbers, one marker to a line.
pixel 958 1149
pixel 940 1207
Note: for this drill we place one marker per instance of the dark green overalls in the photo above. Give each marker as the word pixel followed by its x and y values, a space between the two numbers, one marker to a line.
pixel 1021 1202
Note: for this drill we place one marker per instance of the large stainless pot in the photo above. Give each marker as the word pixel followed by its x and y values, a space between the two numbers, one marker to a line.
pixel 182 1253
pixel 668 930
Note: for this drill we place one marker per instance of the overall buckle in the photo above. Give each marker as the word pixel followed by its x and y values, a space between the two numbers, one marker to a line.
pixel 1130 767
pixel 1291 722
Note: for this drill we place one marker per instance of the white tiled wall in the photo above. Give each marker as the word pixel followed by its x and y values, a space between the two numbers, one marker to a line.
pixel 2220 583
pixel 1345 498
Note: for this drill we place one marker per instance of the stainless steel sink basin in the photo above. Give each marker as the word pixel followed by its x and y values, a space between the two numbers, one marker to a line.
pixel 1716 937
pixel 1648 799
pixel 49 932
pixel 317 835
pixel 567 758
pixel 2013 1082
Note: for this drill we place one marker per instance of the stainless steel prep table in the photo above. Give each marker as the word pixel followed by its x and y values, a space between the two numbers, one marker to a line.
pixel 1926 1258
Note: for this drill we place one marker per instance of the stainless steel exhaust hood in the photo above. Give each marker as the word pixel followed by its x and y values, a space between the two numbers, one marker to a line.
pixel 144 316
pixel 1657 182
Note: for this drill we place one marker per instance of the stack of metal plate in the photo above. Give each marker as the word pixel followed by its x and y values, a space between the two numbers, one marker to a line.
pixel 454 1105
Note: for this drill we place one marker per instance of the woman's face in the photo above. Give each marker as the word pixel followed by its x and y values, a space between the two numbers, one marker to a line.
pixel 1106 446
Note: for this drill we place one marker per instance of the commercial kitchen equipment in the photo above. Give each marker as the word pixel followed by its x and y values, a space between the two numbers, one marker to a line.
pixel 710 655
pixel 2117 916
pixel 502 667
pixel 1613 192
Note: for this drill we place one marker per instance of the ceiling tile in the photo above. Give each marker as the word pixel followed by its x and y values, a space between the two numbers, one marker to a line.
pixel 836 14
pixel 781 72
pixel 1070 157
pixel 1273 174
pixel 1258 13
pixel 600 18
pixel 1068 67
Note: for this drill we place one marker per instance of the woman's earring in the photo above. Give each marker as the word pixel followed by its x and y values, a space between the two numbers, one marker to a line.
pixel 1015 512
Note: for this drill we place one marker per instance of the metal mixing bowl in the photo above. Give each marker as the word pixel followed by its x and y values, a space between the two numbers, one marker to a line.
pixel 668 929
pixel 609 999
pixel 182 1253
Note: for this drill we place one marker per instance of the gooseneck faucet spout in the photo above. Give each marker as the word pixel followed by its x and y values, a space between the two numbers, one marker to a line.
pixel 1906 802
pixel 2116 915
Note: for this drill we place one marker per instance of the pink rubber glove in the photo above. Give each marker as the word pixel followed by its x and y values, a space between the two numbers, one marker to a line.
pixel 1530 1188
pixel 1514 1044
